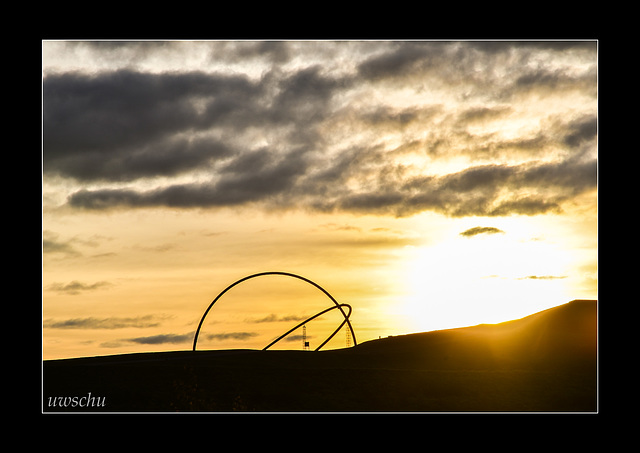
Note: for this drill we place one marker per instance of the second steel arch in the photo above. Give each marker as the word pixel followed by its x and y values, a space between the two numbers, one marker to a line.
pixel 310 319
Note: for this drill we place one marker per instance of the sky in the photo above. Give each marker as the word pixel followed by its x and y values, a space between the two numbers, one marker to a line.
pixel 427 184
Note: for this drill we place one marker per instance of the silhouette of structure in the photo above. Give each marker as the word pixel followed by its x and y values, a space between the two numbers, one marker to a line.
pixel 305 343
pixel 304 328
pixel 287 274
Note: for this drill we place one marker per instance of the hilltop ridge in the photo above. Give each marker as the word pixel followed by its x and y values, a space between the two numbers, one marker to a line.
pixel 566 333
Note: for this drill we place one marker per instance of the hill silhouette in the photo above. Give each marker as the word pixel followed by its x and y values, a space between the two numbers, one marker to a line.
pixel 543 362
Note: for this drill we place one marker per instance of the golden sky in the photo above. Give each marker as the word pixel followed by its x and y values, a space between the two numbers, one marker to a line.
pixel 428 184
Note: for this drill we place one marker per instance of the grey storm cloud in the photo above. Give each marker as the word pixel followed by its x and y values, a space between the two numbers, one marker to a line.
pixel 263 139
pixel 126 125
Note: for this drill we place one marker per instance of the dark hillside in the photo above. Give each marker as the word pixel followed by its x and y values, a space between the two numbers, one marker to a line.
pixel 561 336
pixel 544 362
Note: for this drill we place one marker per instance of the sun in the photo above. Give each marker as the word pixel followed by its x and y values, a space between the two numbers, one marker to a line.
pixel 486 278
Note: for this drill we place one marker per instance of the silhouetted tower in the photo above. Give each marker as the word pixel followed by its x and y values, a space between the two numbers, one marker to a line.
pixel 305 343
pixel 348 336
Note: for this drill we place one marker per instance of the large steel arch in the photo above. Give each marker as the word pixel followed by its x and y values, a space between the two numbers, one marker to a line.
pixel 262 274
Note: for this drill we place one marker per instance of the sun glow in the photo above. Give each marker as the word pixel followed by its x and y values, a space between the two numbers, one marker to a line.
pixel 483 278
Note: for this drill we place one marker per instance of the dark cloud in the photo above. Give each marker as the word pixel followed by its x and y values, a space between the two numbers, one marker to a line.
pixel 245 180
pixel 52 245
pixel 553 45
pixel 172 338
pixel 169 158
pixel 104 323
pixel 481 230
pixel 579 131
pixel 454 136
pixel 231 336
pixel 307 91
pixel 491 69
pixel 543 277
pixel 275 318
pixel 487 190
pixel 480 114
pixel 126 125
pixel 544 81
pixel 74 288
pixel 163 339
pixel 402 59
pixel 272 51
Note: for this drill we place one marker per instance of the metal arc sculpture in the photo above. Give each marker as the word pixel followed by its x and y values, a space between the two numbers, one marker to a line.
pixel 287 274
pixel 346 319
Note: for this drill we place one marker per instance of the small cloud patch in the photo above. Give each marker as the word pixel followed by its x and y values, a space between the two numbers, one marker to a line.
pixel 481 230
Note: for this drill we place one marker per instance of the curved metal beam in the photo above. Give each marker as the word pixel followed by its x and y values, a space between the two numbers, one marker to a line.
pixel 261 274
pixel 310 319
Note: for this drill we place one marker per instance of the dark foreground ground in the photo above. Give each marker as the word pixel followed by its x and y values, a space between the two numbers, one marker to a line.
pixel 546 362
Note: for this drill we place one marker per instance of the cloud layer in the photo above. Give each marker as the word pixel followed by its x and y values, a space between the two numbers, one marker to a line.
pixel 351 127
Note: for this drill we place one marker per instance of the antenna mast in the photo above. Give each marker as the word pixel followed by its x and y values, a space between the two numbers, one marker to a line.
pixel 305 343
